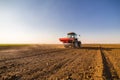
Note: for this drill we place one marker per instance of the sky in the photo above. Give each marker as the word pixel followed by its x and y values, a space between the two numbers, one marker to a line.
pixel 45 21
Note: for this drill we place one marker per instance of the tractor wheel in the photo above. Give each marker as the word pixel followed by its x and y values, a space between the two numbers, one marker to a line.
pixel 79 44
pixel 76 44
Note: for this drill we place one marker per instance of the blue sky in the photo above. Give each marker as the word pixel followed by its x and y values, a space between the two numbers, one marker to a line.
pixel 44 21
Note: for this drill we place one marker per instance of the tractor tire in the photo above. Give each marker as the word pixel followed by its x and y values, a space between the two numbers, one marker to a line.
pixel 76 44
pixel 79 42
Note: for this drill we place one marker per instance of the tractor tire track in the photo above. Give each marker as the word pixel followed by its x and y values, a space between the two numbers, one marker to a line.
pixel 109 72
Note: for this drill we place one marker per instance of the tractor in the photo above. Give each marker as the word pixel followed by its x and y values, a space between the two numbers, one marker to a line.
pixel 71 40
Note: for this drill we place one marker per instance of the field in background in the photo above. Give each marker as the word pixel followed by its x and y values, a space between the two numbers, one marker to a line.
pixel 54 62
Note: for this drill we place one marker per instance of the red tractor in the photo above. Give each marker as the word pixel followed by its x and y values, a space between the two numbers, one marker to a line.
pixel 71 40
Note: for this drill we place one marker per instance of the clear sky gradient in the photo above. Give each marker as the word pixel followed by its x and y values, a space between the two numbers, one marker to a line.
pixel 44 21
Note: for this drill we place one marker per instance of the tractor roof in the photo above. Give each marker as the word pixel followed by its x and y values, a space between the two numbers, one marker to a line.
pixel 71 33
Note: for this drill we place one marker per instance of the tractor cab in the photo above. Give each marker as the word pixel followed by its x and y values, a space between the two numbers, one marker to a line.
pixel 71 35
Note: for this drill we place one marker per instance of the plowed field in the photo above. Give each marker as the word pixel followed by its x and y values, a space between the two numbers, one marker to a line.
pixel 54 62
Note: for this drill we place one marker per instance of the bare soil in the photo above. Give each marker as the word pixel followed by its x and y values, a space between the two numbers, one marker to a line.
pixel 54 62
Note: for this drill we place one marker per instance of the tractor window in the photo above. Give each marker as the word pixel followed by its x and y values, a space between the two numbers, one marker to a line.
pixel 72 36
pixel 69 36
